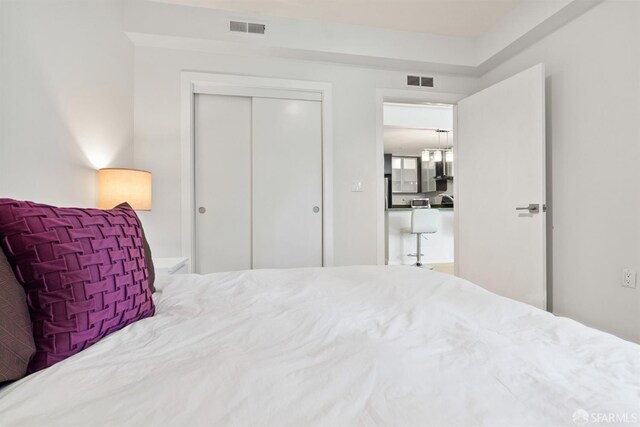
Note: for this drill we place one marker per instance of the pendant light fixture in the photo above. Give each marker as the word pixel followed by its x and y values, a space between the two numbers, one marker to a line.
pixel 426 155
pixel 437 155
pixel 449 155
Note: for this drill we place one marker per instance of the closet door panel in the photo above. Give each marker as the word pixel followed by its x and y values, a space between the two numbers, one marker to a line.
pixel 223 183
pixel 287 183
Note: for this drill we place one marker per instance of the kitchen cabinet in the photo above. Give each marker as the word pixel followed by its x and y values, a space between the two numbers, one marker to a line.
pixel 405 174
pixel 428 174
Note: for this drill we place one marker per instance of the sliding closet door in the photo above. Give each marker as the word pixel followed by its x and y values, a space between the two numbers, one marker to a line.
pixel 223 183
pixel 287 183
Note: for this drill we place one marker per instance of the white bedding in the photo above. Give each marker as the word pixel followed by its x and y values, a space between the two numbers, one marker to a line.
pixel 340 346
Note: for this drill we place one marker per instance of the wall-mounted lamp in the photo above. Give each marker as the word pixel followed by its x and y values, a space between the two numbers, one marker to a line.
pixel 117 185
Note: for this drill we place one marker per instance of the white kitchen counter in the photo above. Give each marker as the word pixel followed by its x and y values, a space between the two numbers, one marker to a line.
pixel 437 248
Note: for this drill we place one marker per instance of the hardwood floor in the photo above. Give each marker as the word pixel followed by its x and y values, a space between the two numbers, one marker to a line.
pixel 444 268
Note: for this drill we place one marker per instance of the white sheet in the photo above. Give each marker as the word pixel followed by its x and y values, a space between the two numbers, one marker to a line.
pixel 341 346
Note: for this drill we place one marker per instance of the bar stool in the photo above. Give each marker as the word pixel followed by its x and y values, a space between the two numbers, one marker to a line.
pixel 423 221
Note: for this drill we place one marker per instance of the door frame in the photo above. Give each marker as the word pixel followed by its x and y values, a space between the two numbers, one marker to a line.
pixel 411 97
pixel 193 83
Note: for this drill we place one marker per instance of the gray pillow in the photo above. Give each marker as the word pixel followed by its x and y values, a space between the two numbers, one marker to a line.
pixel 16 336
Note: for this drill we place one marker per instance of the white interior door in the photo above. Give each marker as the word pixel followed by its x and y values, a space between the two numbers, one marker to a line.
pixel 222 183
pixel 501 168
pixel 287 183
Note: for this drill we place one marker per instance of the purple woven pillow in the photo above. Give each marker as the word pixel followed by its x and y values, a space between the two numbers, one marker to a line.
pixel 83 270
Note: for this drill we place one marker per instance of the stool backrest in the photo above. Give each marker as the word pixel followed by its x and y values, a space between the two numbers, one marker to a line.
pixel 425 220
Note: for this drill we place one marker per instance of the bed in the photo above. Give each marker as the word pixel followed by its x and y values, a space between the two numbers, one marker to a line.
pixel 336 346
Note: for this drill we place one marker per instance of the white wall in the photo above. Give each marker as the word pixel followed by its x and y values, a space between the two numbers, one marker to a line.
pixel 305 39
pixel 201 28
pixel 157 137
pixel 593 111
pixel 417 116
pixel 66 98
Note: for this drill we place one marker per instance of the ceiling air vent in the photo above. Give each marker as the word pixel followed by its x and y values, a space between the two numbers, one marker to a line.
pixel 413 80
pixel 426 81
pixel 256 28
pixel 238 26
pixel 246 27
pixel 419 81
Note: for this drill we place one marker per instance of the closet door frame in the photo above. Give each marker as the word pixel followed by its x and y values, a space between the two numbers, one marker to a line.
pixel 193 83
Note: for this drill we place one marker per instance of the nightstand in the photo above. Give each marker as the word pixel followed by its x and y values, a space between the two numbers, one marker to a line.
pixel 167 266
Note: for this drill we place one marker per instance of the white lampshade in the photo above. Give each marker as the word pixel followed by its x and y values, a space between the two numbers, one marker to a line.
pixel 117 185
pixel 437 156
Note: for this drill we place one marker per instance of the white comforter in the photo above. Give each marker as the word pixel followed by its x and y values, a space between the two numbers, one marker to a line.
pixel 339 346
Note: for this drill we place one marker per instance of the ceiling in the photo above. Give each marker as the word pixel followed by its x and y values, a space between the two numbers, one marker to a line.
pixel 411 142
pixel 458 18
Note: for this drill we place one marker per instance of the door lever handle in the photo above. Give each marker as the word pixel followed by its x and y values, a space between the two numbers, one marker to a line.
pixel 532 208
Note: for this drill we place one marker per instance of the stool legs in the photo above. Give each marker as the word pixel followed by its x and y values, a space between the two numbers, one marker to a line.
pixel 419 244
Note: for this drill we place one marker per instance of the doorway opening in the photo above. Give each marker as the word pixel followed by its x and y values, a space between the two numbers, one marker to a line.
pixel 419 174
pixel 499 220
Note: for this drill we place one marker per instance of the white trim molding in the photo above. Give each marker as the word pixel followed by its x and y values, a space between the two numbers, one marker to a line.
pixel 239 85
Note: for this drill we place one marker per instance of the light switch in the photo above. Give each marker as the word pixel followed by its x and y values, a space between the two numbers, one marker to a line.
pixel 356 186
